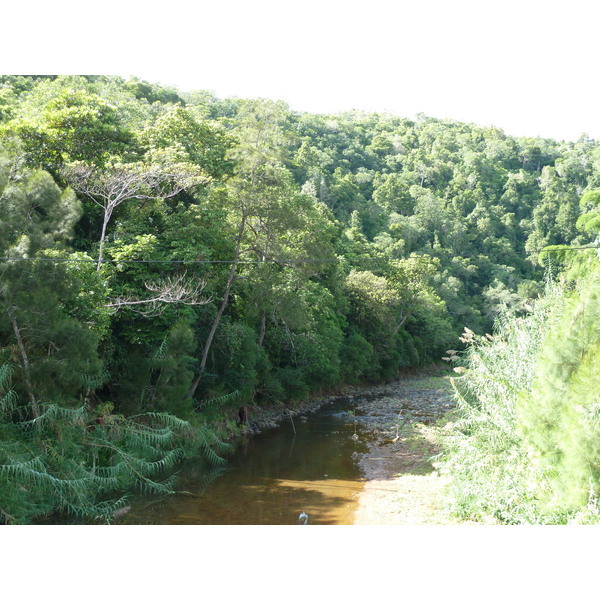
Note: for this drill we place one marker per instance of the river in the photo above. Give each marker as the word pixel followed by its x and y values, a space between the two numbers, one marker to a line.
pixel 306 465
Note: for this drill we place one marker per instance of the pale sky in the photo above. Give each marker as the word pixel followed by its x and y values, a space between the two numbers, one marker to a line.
pixel 529 66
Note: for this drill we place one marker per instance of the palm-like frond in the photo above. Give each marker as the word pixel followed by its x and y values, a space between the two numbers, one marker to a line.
pixel 67 461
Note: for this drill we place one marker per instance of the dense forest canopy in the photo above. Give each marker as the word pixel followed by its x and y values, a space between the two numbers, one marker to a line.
pixel 161 250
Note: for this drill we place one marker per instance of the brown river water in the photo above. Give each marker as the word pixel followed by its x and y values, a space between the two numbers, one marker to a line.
pixel 309 466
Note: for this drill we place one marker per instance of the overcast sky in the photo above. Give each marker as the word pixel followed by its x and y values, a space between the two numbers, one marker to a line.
pixel 527 66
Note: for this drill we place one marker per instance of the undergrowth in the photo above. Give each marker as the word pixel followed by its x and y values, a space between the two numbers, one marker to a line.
pixel 84 463
pixel 499 470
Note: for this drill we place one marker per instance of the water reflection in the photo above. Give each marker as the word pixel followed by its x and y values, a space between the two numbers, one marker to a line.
pixel 309 466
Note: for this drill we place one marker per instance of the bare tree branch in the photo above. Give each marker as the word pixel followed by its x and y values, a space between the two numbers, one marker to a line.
pixel 173 290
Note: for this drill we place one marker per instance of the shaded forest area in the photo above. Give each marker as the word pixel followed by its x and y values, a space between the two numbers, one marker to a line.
pixel 165 255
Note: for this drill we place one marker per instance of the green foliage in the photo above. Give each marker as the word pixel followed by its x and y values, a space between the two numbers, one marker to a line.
pixel 189 140
pixel 152 93
pixel 236 354
pixel 489 461
pixel 322 249
pixel 173 365
pixel 41 298
pixel 81 462
pixel 589 221
pixel 62 121
pixel 373 299
pixel 555 255
pixel 560 417
pixel 36 213
pixel 524 449
pixel 358 358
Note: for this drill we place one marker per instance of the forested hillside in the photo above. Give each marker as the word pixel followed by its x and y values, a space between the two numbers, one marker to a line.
pixel 163 253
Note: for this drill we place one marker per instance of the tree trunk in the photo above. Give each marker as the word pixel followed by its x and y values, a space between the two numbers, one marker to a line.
pixel 263 330
pixel 221 310
pixel 107 215
pixel 26 370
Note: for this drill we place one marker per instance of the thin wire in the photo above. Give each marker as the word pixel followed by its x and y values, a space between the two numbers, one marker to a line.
pixel 568 248
pixel 254 262
pixel 212 262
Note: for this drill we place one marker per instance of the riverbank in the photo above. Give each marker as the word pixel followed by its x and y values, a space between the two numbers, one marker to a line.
pixel 364 458
pixel 263 417
pixel 402 486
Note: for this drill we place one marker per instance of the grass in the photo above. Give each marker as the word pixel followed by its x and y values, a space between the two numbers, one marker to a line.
pixel 429 382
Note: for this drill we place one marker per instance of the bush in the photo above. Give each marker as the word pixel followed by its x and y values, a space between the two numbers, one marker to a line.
pixel 486 456
pixel 357 357
pixel 561 417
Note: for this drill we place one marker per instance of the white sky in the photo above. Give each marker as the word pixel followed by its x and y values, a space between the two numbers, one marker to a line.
pixel 527 66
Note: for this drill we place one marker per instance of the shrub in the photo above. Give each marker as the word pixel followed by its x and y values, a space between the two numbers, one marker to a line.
pixel 486 456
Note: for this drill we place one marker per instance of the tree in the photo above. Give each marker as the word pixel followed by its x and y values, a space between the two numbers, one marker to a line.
pixel 191 140
pixel 250 191
pixel 54 350
pixel 61 123
pixel 111 187
pixel 394 196
pixel 589 221
pixel 555 217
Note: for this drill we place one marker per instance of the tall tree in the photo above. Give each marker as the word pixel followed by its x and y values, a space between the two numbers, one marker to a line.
pixel 252 191
pixel 110 187
pixel 54 350
pixel 60 123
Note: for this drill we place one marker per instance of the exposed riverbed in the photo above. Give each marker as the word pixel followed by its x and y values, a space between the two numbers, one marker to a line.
pixel 358 459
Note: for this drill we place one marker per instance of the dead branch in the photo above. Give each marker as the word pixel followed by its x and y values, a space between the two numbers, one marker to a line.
pixel 172 290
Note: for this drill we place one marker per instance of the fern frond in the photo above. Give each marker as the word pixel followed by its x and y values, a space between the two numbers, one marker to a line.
pixel 213 458
pixel 57 463
pixel 220 400
pixel 8 404
pixel 167 420
pixel 6 371
pixel 93 382
pixel 24 471
pixel 155 437
pixel 163 487
pixel 161 351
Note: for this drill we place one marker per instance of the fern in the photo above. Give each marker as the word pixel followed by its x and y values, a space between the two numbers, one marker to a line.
pixel 167 420
pixel 65 461
pixel 221 400
pixel 161 352
pixel 93 382
pixel 8 404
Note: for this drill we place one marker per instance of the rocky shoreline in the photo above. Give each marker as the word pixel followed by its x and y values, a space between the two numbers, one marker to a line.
pixel 418 406
pixel 403 486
